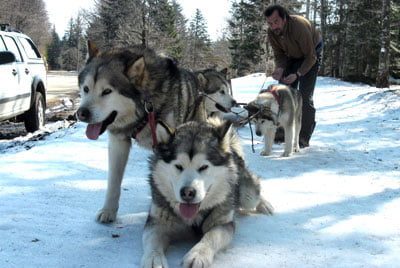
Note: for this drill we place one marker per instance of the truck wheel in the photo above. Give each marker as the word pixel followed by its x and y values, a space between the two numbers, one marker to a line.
pixel 34 119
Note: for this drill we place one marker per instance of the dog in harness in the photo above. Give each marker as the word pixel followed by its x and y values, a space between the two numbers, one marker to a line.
pixel 277 106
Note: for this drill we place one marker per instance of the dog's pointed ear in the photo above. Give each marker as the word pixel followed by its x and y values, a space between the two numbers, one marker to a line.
pixel 223 129
pixel 93 51
pixel 224 72
pixel 163 147
pixel 137 72
pixel 252 108
pixel 202 80
pixel 224 136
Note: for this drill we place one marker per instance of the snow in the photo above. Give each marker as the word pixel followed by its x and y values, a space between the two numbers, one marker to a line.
pixel 336 202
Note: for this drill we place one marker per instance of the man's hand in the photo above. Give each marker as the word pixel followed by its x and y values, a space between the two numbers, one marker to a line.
pixel 277 74
pixel 289 79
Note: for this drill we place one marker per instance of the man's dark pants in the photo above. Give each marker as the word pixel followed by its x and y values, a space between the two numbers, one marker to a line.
pixel 306 85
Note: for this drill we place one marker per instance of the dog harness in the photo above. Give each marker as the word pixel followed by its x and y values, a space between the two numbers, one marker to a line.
pixel 273 92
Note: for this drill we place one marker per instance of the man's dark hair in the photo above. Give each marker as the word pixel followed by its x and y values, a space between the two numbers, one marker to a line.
pixel 283 13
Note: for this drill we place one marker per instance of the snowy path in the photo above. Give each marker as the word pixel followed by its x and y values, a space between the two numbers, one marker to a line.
pixel 337 202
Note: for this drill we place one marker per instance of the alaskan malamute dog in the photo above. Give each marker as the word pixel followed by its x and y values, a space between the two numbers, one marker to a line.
pixel 134 93
pixel 276 106
pixel 198 179
pixel 218 99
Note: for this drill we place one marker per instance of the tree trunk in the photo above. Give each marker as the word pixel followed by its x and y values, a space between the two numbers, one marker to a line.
pixel 339 59
pixel 308 9
pixel 323 16
pixel 382 79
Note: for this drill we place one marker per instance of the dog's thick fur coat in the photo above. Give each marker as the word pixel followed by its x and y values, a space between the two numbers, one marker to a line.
pixel 119 89
pixel 278 106
pixel 198 179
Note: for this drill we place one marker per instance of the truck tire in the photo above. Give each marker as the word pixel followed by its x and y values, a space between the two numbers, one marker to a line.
pixel 34 119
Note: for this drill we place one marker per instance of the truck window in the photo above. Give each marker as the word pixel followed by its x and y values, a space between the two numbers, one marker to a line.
pixel 30 49
pixel 2 45
pixel 12 46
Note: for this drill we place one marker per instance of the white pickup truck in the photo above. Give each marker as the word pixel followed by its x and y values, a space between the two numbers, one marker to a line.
pixel 23 81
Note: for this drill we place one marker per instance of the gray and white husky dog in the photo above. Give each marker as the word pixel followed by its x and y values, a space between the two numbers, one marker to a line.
pixel 218 100
pixel 198 180
pixel 277 106
pixel 127 91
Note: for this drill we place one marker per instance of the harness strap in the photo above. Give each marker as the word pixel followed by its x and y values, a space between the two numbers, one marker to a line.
pixel 271 89
pixel 276 96
pixel 151 117
pixel 152 123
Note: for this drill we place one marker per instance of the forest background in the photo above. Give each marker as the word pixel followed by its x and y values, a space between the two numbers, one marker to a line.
pixel 361 37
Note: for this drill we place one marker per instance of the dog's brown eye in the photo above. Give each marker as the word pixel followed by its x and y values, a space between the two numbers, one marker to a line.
pixel 106 92
pixel 85 89
pixel 222 92
pixel 179 167
pixel 262 121
pixel 202 168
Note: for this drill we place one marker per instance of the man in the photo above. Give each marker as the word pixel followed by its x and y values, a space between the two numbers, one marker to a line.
pixel 297 48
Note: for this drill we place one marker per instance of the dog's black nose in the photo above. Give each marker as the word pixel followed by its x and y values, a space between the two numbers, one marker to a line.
pixel 258 133
pixel 188 193
pixel 83 114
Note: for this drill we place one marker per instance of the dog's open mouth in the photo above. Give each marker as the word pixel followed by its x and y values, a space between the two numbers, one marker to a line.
pixel 188 210
pixel 93 131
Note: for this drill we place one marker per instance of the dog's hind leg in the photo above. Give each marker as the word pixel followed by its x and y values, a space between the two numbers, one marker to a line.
pixel 118 152
pixel 250 198
pixel 296 146
pixel 297 128
pixel 289 137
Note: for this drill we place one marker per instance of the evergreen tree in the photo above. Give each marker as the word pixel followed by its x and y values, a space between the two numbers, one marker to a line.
pixel 54 51
pixel 74 45
pixel 200 43
pixel 246 36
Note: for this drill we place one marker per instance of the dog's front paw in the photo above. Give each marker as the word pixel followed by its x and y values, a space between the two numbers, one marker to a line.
pixel 154 260
pixel 265 152
pixel 285 154
pixel 198 257
pixel 106 215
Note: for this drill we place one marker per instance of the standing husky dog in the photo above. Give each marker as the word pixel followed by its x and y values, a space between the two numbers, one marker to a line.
pixel 198 178
pixel 133 93
pixel 277 106
pixel 218 99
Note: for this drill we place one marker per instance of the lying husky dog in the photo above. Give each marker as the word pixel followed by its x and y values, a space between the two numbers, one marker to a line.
pixel 276 106
pixel 198 179
pixel 133 93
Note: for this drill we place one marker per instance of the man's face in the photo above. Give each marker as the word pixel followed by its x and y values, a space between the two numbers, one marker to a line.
pixel 276 23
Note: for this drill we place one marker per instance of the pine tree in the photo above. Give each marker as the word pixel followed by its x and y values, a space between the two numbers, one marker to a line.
pixel 245 39
pixel 199 46
pixel 54 51
pixel 74 45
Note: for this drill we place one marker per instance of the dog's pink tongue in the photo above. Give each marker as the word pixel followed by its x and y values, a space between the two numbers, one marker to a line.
pixel 93 131
pixel 188 211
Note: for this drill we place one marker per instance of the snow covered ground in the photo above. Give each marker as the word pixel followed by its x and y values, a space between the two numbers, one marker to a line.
pixel 337 202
